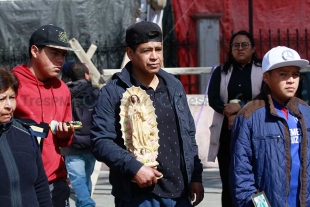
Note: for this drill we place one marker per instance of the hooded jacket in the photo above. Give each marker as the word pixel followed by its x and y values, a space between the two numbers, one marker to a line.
pixel 260 152
pixel 84 98
pixel 44 102
pixel 108 144
pixel 23 180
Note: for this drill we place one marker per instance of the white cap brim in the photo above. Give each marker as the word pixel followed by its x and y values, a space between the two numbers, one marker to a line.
pixel 299 63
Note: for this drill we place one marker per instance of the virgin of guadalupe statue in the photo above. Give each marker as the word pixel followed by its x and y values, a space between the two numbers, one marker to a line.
pixel 141 132
pixel 139 126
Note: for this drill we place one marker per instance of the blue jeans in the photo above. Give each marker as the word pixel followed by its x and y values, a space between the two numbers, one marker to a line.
pixel 152 200
pixel 80 168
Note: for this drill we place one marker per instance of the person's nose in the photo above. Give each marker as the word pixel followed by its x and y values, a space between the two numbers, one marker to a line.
pixel 154 55
pixel 60 59
pixel 290 79
pixel 240 47
pixel 8 104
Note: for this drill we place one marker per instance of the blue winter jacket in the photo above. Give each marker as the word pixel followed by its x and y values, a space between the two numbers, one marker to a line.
pixel 260 152
pixel 108 144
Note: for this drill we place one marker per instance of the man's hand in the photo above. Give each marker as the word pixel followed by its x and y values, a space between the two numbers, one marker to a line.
pixel 231 120
pixel 63 131
pixel 146 176
pixel 231 108
pixel 197 189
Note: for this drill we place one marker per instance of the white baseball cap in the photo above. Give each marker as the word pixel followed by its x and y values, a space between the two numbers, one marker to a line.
pixel 282 56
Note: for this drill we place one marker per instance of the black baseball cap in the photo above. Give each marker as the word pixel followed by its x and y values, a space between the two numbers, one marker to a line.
pixel 50 36
pixel 143 32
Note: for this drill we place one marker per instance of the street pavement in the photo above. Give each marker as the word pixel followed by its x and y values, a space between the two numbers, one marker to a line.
pixel 211 182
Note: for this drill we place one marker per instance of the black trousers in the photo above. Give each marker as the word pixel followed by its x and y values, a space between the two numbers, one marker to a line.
pixel 60 193
pixel 223 157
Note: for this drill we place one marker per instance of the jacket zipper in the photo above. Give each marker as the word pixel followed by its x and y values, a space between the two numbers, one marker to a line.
pixel 12 171
pixel 300 148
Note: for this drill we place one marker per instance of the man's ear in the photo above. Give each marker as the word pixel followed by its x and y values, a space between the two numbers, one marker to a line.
pixel 129 52
pixel 87 77
pixel 266 77
pixel 34 51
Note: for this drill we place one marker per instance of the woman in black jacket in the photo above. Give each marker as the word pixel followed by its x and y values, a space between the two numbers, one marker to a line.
pixel 23 179
pixel 232 85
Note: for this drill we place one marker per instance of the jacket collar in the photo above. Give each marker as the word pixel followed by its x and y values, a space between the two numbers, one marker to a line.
pixel 4 127
pixel 292 104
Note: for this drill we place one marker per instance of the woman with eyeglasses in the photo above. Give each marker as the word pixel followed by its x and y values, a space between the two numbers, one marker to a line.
pixel 232 85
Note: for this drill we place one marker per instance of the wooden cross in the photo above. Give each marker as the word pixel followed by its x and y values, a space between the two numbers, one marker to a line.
pixel 85 57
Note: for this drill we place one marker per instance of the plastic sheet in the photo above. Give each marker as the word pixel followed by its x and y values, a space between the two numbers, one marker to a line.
pixel 101 22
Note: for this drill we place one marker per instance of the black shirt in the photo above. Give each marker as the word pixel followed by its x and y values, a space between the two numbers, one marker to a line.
pixel 239 86
pixel 169 153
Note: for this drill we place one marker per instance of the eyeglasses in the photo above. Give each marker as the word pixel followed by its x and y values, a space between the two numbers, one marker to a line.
pixel 244 45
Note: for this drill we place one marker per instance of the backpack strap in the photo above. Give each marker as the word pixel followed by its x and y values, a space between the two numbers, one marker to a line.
pixel 36 130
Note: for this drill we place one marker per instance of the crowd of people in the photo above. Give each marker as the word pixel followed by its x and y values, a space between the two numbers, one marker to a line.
pixel 262 127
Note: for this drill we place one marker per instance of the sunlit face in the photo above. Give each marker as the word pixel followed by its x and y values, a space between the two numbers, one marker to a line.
pixel 241 54
pixel 283 82
pixel 7 105
pixel 147 58
pixel 48 62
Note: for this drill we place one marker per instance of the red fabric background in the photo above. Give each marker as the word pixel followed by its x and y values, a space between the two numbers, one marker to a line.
pixel 267 14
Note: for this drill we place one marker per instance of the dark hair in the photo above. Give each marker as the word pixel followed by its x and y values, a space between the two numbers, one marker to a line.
pixel 77 71
pixel 134 47
pixel 8 80
pixel 230 59
pixel 40 47
pixel 138 99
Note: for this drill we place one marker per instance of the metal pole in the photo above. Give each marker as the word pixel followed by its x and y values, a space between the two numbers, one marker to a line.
pixel 250 17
